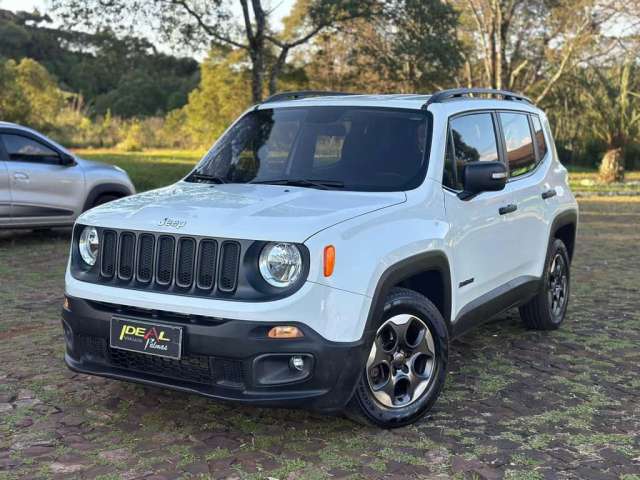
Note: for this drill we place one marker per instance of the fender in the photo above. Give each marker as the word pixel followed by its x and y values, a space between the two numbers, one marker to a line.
pixel 113 188
pixel 433 260
pixel 564 218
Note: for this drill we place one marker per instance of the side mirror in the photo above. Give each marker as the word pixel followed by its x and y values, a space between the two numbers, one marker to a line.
pixel 483 177
pixel 67 160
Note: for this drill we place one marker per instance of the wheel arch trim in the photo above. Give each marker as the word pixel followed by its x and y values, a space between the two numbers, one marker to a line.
pixel 102 189
pixel 424 262
pixel 563 219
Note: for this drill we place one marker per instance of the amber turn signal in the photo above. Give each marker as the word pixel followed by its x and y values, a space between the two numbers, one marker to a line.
pixel 65 303
pixel 285 332
pixel 329 260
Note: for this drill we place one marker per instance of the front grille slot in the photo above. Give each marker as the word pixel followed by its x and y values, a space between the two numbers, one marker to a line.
pixel 229 262
pixel 166 248
pixel 186 258
pixel 207 256
pixel 145 257
pixel 125 260
pixel 108 262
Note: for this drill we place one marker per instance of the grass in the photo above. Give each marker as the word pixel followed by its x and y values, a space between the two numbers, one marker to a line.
pixel 150 169
pixel 157 168
pixel 518 404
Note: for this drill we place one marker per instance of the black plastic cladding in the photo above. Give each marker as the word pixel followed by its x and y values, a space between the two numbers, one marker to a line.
pixel 181 265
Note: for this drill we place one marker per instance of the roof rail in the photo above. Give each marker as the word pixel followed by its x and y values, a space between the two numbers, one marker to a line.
pixel 444 95
pixel 298 95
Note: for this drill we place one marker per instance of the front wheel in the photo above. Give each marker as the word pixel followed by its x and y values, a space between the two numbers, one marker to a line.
pixel 407 364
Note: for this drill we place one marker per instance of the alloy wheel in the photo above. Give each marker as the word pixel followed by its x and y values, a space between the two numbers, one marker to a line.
pixel 401 363
pixel 558 283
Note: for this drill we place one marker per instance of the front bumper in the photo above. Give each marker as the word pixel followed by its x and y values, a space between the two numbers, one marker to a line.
pixel 221 358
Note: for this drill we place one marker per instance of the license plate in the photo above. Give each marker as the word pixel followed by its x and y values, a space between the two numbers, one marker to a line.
pixel 146 337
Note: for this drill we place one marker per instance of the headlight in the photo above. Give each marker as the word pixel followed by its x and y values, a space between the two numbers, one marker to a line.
pixel 280 264
pixel 88 245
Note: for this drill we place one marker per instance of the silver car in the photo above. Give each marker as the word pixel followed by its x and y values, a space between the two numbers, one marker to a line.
pixel 42 184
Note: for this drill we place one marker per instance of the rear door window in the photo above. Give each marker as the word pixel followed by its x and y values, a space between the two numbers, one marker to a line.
pixel 521 156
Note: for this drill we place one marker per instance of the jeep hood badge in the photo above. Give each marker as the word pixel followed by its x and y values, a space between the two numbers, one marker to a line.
pixel 176 223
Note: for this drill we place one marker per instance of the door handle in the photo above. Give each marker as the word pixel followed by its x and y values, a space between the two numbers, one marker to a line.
pixel 549 193
pixel 20 176
pixel 512 207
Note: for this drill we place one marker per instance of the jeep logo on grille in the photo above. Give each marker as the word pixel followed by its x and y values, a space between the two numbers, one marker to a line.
pixel 172 222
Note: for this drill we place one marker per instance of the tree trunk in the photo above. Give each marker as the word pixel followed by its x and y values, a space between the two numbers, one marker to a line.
pixel 257 75
pixel 277 69
pixel 612 166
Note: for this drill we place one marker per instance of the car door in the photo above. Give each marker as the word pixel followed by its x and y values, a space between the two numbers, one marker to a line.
pixel 5 191
pixel 527 231
pixel 44 190
pixel 479 232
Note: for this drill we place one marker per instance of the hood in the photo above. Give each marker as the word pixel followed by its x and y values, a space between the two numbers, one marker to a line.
pixel 240 211
pixel 92 164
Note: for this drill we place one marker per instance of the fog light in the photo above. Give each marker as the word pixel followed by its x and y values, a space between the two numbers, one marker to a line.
pixel 296 363
pixel 285 332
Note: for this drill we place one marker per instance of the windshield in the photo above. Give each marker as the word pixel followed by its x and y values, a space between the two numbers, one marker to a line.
pixel 346 148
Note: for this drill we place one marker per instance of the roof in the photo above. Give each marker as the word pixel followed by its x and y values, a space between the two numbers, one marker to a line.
pixel 447 103
pixel 412 101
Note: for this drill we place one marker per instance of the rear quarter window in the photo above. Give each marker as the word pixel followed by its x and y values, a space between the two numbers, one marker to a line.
pixel 521 155
pixel 538 133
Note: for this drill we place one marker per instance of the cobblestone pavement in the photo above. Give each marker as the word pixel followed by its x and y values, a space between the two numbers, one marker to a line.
pixel 518 404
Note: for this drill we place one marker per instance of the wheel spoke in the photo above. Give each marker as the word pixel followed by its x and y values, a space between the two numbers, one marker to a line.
pixel 379 355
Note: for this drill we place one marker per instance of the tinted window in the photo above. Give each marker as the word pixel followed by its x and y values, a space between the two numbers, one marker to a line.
pixel 474 140
pixel 539 136
pixel 353 148
pixel 24 149
pixel 517 136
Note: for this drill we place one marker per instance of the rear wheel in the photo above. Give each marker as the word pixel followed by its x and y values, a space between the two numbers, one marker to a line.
pixel 546 311
pixel 407 363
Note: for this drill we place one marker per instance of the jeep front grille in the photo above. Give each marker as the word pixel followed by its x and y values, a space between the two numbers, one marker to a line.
pixel 162 262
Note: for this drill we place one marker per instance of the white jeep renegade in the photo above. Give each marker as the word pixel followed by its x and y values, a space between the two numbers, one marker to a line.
pixel 325 250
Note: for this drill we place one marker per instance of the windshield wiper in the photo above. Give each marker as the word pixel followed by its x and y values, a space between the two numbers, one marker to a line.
pixel 204 178
pixel 303 182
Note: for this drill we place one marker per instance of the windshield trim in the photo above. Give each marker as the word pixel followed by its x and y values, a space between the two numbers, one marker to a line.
pixel 411 184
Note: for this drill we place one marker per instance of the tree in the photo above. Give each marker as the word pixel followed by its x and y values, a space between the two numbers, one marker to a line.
pixel 101 67
pixel 222 95
pixel 410 46
pixel 14 106
pixel 213 22
pixel 28 94
pixel 612 104
pixel 529 45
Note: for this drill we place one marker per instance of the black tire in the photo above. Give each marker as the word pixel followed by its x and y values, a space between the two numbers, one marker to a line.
pixel 364 407
pixel 542 312
pixel 102 199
